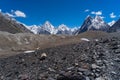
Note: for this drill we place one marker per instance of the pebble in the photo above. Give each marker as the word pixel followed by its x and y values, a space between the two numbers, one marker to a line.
pixel 94 66
pixel 81 69
pixel 23 77
pixel 113 72
pixel 43 56
pixel 87 78
pixel 100 78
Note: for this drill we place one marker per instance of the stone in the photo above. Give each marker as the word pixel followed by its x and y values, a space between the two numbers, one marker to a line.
pixel 87 73
pixel 70 68
pixel 94 66
pixel 81 69
pixel 117 60
pixel 113 72
pixel 43 56
pixel 23 77
pixel 23 60
pixel 117 51
pixel 87 78
pixel 2 77
pixel 76 64
pixel 50 69
pixel 100 78
pixel 50 78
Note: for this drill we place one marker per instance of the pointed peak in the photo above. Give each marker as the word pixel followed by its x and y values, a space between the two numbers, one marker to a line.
pixel 89 17
pixel 47 22
pixel 98 18
pixel 63 27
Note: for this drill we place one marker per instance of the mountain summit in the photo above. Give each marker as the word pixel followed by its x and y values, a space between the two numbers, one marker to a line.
pixel 115 27
pixel 95 23
pixel 47 26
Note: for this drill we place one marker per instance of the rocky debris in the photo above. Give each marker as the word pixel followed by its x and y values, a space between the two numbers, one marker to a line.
pixel 43 56
pixel 93 60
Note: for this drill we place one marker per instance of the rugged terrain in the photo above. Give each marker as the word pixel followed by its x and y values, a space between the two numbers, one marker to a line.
pixel 14 43
pixel 97 58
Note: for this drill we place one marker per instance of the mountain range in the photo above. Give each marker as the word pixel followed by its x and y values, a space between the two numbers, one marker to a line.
pixel 90 24
pixel 48 28
pixel 96 23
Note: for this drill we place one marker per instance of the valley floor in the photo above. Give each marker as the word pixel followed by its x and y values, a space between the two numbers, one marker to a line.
pixel 85 60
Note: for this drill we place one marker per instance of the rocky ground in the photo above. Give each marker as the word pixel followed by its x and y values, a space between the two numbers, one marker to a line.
pixel 88 60
pixel 12 44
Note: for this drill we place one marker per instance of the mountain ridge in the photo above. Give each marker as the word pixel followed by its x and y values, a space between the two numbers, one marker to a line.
pixel 48 28
pixel 10 25
pixel 96 23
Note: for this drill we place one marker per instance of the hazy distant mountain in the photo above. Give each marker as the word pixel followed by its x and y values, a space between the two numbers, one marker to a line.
pixel 115 27
pixel 95 23
pixel 63 29
pixel 10 25
pixel 48 27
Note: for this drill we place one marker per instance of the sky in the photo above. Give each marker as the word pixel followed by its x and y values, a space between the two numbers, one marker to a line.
pixel 69 12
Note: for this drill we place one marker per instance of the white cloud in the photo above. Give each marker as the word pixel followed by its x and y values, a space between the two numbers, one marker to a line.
pixel 87 10
pixel 102 17
pixel 19 14
pixel 112 15
pixel 97 13
pixel 16 13
pixel 111 23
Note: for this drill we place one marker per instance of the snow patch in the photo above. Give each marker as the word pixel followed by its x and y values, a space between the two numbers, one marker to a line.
pixel 85 39
pixel 30 51
pixel 96 40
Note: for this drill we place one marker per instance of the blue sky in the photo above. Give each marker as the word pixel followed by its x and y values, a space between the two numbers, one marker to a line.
pixel 69 12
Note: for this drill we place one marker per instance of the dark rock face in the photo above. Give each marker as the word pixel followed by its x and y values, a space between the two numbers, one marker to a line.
pixel 85 25
pixel 64 32
pixel 115 27
pixel 93 60
pixel 43 32
pixel 7 24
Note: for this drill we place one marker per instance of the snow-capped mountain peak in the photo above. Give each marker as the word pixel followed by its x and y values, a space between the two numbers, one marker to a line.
pixel 63 27
pixel 48 27
pixel 34 28
pixel 96 23
pixel 98 19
